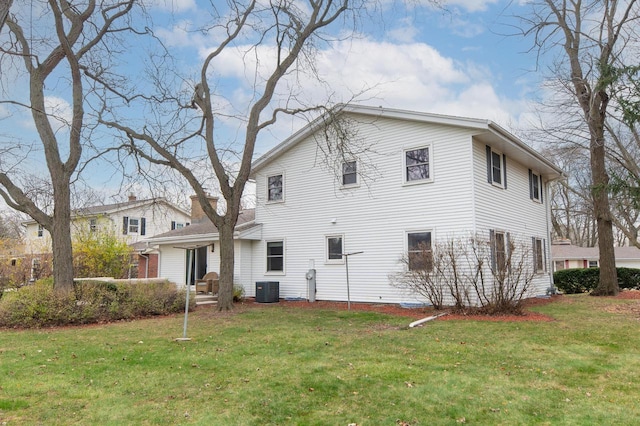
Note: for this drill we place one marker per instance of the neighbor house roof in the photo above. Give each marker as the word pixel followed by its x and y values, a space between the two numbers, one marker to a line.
pixel 571 252
pixel 204 230
pixel 106 209
pixel 487 132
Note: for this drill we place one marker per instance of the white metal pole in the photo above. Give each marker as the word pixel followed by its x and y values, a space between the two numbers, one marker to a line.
pixel 186 304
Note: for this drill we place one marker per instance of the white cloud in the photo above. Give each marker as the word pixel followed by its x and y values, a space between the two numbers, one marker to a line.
pixel 59 110
pixel 173 6
pixel 405 33
pixel 470 5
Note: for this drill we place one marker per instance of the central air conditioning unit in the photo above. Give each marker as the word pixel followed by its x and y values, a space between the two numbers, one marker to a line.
pixel 267 291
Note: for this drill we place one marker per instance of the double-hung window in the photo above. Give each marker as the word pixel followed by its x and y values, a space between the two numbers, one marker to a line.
pixel 535 186
pixel 335 249
pixel 93 225
pixel 496 168
pixel 349 173
pixel 40 230
pixel 275 188
pixel 134 225
pixel 499 252
pixel 275 256
pixel 419 252
pixel 539 263
pixel 417 165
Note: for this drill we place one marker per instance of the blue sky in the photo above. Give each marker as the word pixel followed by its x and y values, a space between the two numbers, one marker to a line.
pixel 455 60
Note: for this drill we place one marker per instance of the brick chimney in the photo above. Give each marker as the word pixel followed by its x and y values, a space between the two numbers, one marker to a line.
pixel 132 197
pixel 197 213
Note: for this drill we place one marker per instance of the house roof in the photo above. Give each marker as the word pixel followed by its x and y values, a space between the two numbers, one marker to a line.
pixel 487 132
pixel 204 230
pixel 571 252
pixel 106 209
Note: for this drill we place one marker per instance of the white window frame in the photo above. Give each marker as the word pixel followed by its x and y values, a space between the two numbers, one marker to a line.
pixel 93 224
pixel 326 249
pixel 268 193
pixel 354 173
pixel 501 163
pixel 592 263
pixel 408 251
pixel 40 231
pixel 429 165
pixel 130 226
pixel 539 257
pixel 536 179
pixel 495 264
pixel 266 257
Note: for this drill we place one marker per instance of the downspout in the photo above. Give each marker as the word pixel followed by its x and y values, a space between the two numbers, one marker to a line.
pixel 552 289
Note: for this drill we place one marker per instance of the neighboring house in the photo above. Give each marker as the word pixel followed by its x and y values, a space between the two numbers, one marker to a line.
pixel 133 221
pixel 567 256
pixel 419 179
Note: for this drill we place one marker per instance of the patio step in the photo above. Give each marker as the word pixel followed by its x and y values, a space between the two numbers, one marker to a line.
pixel 206 299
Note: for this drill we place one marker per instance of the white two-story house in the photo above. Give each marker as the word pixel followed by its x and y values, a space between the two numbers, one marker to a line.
pixel 413 179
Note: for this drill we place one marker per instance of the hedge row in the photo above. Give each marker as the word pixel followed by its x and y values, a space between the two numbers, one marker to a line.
pixel 572 281
pixel 39 305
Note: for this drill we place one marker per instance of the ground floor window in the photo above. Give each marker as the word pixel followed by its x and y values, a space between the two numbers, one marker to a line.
pixel 275 256
pixel 538 255
pixel 499 246
pixel 419 252
pixel 334 248
pixel 593 264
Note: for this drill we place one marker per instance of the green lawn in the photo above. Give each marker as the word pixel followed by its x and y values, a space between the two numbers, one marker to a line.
pixel 275 366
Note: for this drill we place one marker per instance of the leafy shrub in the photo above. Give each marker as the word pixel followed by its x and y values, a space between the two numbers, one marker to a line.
pixel 238 293
pixel 583 280
pixel 100 254
pixel 39 305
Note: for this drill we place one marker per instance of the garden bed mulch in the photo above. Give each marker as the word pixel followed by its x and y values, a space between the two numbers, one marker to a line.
pixel 418 313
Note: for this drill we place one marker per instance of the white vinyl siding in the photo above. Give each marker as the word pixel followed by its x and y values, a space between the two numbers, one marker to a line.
pixel 375 221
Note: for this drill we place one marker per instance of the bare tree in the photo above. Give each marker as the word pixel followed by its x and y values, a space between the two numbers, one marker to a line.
pixel 75 40
pixel 287 29
pixel 592 36
pixel 5 5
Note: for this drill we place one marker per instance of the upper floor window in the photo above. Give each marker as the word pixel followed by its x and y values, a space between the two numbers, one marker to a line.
pixel 178 225
pixel 334 248
pixel 275 256
pixel 496 168
pixel 349 173
pixel 134 225
pixel 419 252
pixel 535 186
pixel 275 188
pixel 40 230
pixel 417 163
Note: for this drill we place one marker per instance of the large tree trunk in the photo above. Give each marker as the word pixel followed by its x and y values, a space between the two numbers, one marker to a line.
pixel 61 240
pixel 225 293
pixel 608 285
